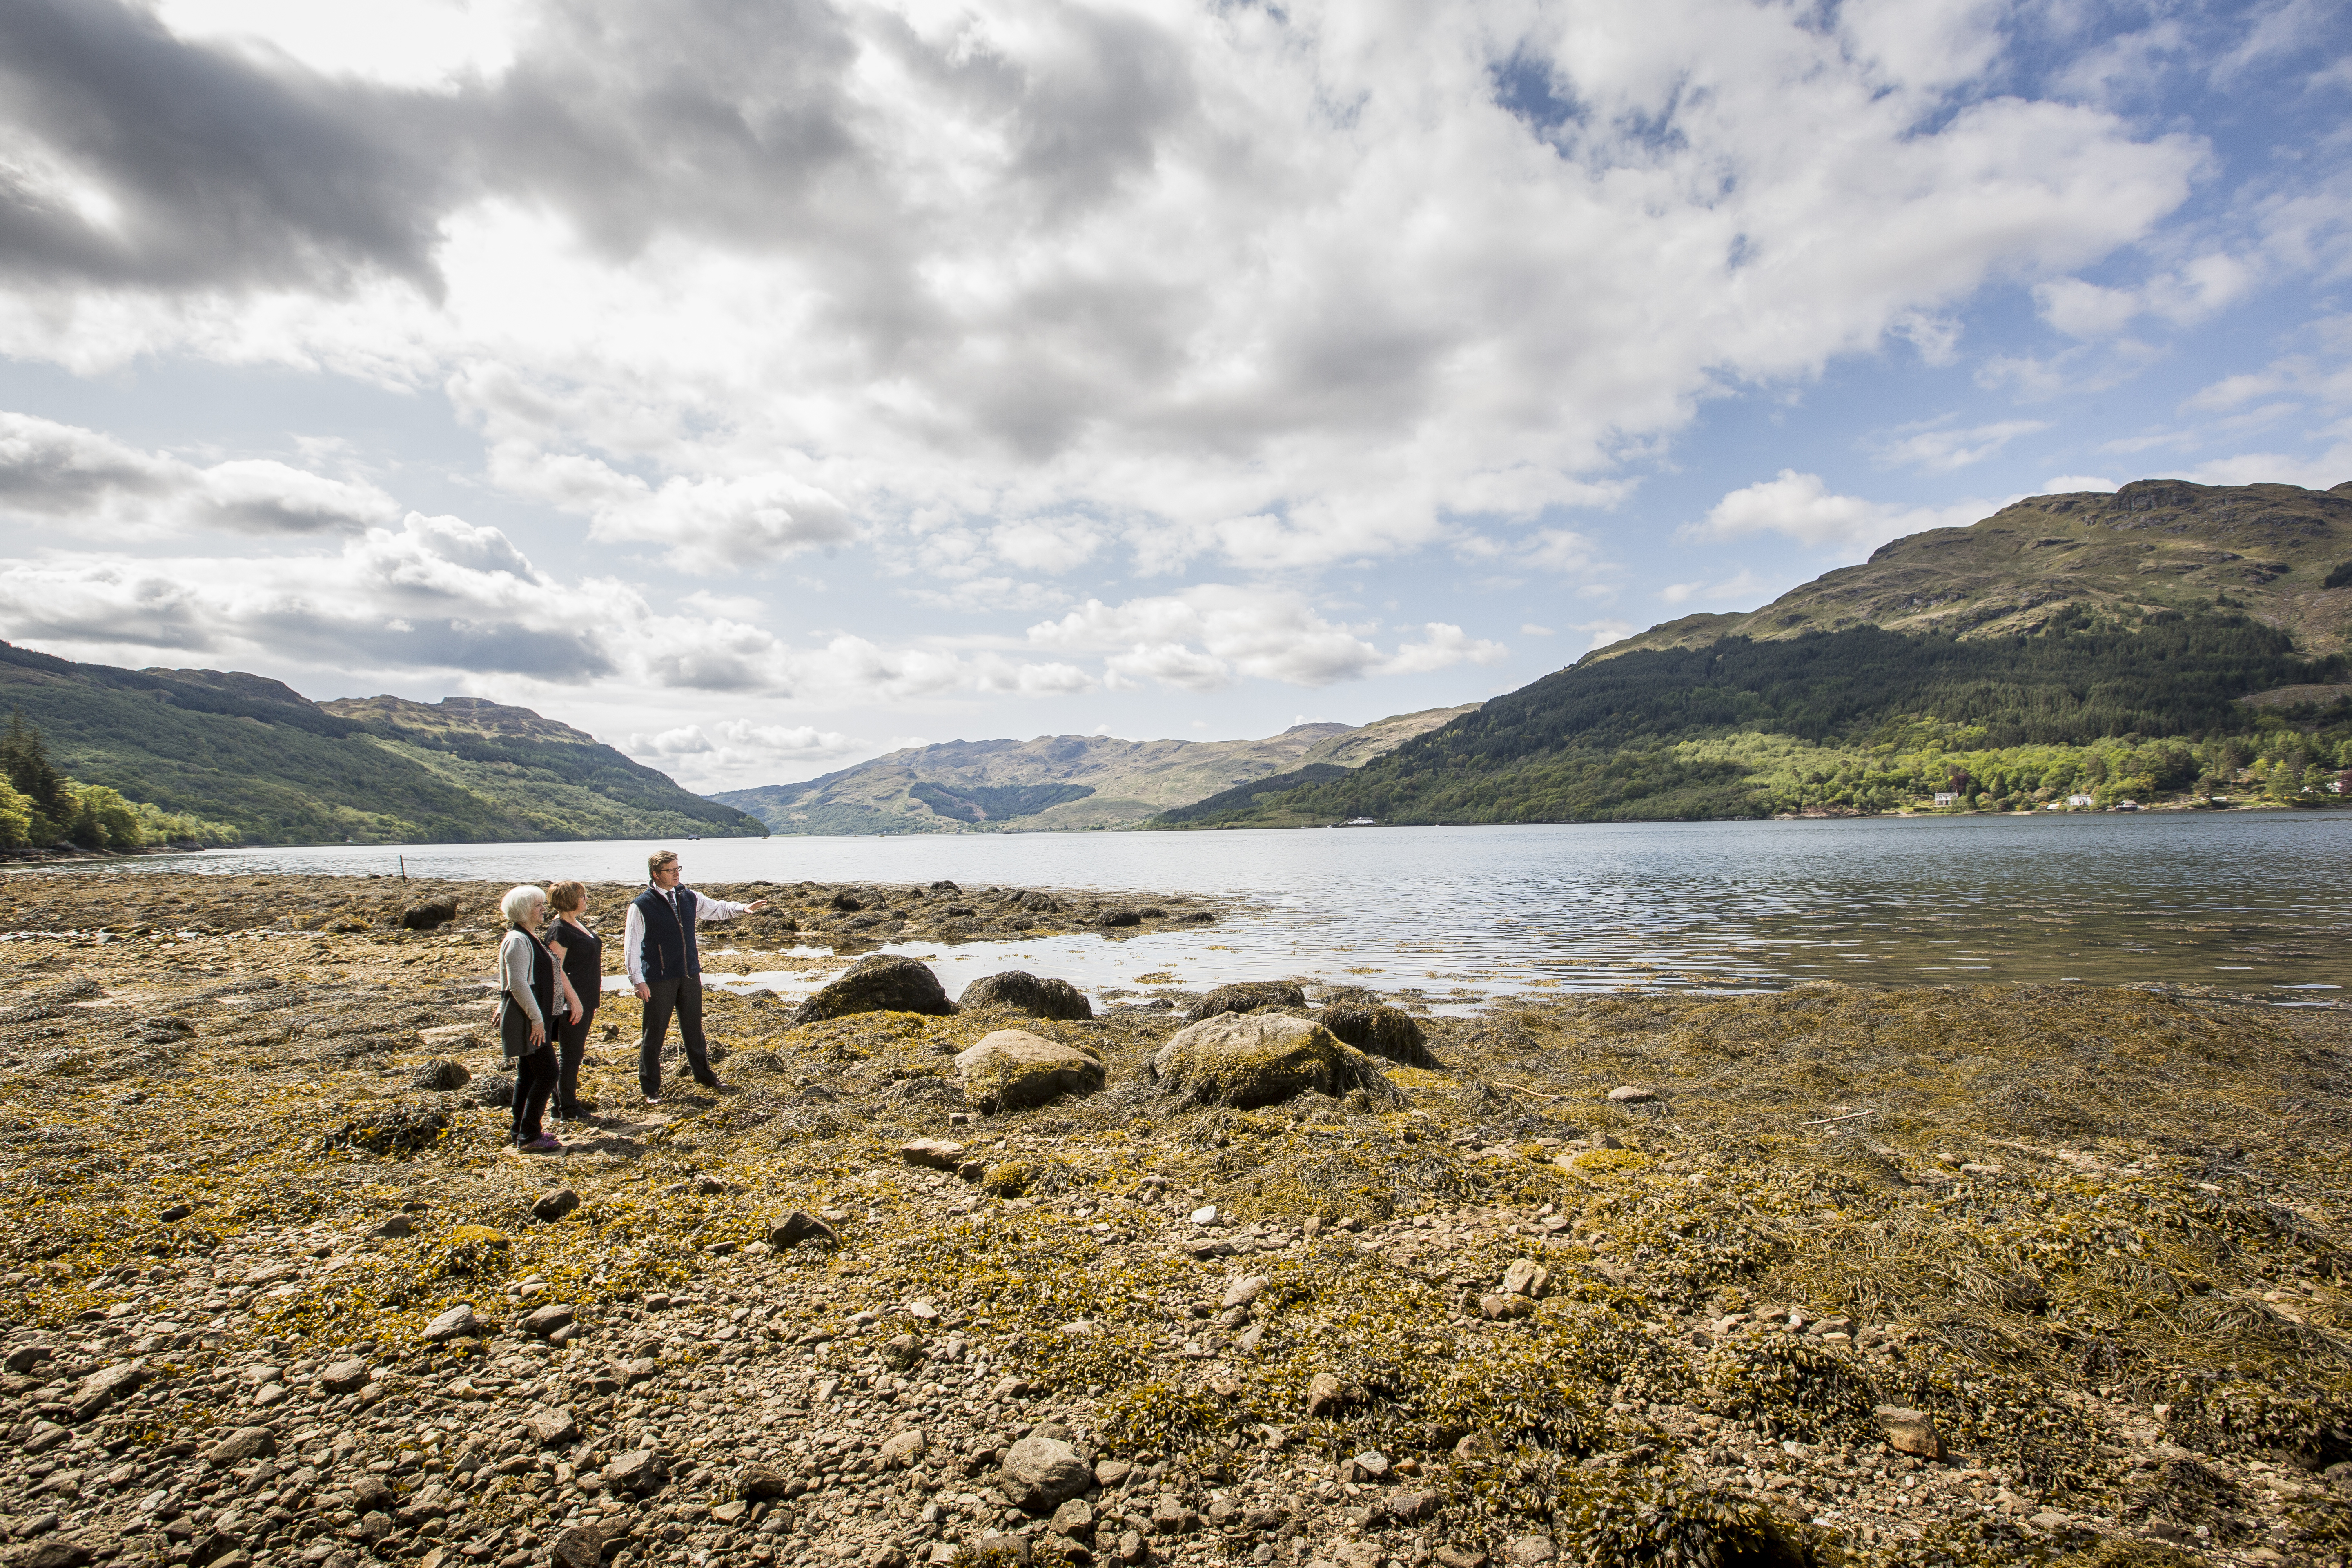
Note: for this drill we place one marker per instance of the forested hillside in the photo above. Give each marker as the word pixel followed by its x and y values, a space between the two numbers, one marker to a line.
pixel 2016 679
pixel 228 748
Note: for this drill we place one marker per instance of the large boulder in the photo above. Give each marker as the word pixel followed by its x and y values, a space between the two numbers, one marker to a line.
pixel 1382 1031
pixel 1025 993
pixel 1013 1067
pixel 425 916
pixel 1246 1060
pixel 1041 1473
pixel 878 983
pixel 1247 997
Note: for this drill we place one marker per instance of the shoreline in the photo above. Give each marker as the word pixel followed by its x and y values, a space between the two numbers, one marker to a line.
pixel 2092 1239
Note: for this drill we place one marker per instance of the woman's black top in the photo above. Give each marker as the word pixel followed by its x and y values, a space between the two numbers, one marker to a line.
pixel 584 961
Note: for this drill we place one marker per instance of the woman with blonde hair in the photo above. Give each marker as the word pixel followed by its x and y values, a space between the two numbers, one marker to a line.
pixel 580 951
pixel 532 996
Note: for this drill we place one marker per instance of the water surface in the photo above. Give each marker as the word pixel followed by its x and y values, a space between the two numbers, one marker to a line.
pixel 2260 902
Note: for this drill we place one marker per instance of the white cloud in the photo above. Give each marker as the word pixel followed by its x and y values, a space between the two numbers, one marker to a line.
pixel 1937 449
pixel 1741 585
pixel 744 284
pixel 1206 637
pixel 2194 292
pixel 2067 484
pixel 1529 628
pixel 72 476
pixel 1804 509
pixel 1600 634
pixel 732 743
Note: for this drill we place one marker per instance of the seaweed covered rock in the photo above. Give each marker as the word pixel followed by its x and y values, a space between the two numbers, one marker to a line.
pixel 1025 993
pixel 1247 996
pixel 397 1129
pixel 1382 1031
pixel 1246 1060
pixel 878 983
pixel 1013 1067
pixel 441 1075
pixel 425 916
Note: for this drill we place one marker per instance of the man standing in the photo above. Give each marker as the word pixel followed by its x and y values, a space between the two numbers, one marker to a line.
pixel 664 970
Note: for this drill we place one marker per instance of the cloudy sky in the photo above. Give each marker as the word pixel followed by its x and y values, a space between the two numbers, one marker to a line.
pixel 764 383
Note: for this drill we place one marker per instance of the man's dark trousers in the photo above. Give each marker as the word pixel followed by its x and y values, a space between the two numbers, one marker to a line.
pixel 683 997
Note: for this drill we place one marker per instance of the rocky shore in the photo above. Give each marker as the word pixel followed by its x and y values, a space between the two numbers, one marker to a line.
pixel 1265 1275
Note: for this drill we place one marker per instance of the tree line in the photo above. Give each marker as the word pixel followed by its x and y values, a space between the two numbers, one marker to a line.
pixel 41 807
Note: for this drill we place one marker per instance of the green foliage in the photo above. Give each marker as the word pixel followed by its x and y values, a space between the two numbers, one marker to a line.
pixel 995 803
pixel 1243 796
pixel 1862 719
pixel 41 806
pixel 224 757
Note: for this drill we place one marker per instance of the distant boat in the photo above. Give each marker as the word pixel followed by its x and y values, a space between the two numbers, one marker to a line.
pixel 1362 822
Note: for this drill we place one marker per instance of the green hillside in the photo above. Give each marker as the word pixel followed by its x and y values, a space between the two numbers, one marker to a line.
pixel 2008 691
pixel 256 754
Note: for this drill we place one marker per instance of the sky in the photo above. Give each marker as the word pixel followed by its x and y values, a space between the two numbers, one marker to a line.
pixel 765 385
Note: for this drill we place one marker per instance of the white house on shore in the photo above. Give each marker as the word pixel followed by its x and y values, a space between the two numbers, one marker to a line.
pixel 1947 797
pixel 2080 801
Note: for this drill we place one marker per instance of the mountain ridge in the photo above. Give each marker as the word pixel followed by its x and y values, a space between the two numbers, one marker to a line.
pixel 232 747
pixel 1103 781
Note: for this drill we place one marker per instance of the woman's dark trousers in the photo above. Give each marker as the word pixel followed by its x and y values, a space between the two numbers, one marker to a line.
pixel 571 1042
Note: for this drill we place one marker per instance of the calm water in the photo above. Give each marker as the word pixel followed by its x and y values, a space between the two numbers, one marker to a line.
pixel 2259 902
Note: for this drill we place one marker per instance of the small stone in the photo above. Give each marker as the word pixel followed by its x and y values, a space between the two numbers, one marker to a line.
pixel 932 1154
pixel 556 1205
pixel 1242 1292
pixel 245 1442
pixel 1501 1305
pixel 101 1388
pixel 549 1318
pixel 373 1494
pixel 53 1553
pixel 1324 1394
pixel 458 1322
pixel 1405 1506
pixel 638 1470
pixel 730 1512
pixel 176 1213
pixel 1040 1473
pixel 1909 1431
pixel 1075 1519
pixel 390 1226
pixel 1525 1276
pixel 343 1376
pixel 902 1450
pixel 996 1549
pixel 1627 1094
pixel 1130 1548
pixel 581 1546
pixel 1530 1550
pixel 797 1227
pixel 759 1482
pixel 1205 1214
pixel 1109 1473
pixel 25 1358
pixel 1460 1557
pixel 1371 1465
pixel 552 1428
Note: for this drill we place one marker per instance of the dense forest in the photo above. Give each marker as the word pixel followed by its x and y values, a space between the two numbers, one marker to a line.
pixel 1860 719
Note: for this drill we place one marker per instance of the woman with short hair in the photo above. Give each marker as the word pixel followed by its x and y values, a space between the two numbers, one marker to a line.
pixel 529 980
pixel 580 951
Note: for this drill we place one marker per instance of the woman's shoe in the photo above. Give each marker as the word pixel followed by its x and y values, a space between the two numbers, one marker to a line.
pixel 543 1144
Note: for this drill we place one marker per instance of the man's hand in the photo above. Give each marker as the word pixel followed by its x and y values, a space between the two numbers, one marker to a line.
pixel 642 990
pixel 755 909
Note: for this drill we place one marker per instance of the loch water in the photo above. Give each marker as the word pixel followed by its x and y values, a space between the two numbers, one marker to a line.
pixel 2259 902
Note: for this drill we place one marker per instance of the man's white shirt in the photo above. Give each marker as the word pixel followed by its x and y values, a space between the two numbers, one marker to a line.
pixel 633 936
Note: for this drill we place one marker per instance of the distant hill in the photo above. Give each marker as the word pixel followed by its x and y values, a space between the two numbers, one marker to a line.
pixel 2268 551
pixel 2095 647
pixel 254 753
pixel 1057 781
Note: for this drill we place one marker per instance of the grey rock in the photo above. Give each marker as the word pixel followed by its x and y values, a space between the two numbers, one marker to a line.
pixel 56 1552
pixel 1325 1394
pixel 581 1546
pixel 756 1483
pixel 458 1322
pixel 391 1225
pixel 932 1154
pixel 900 1451
pixel 878 983
pixel 25 1358
pixel 1910 1431
pixel 343 1376
pixel 797 1227
pixel 551 1427
pixel 1025 993
pixel 554 1206
pixel 1525 1276
pixel 1528 1551
pixel 425 916
pixel 548 1320
pixel 103 1387
pixel 1012 1069
pixel 373 1494
pixel 245 1442
pixel 1245 1060
pixel 1041 1473
pixel 1242 1292
pixel 638 1470
pixel 1631 1094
